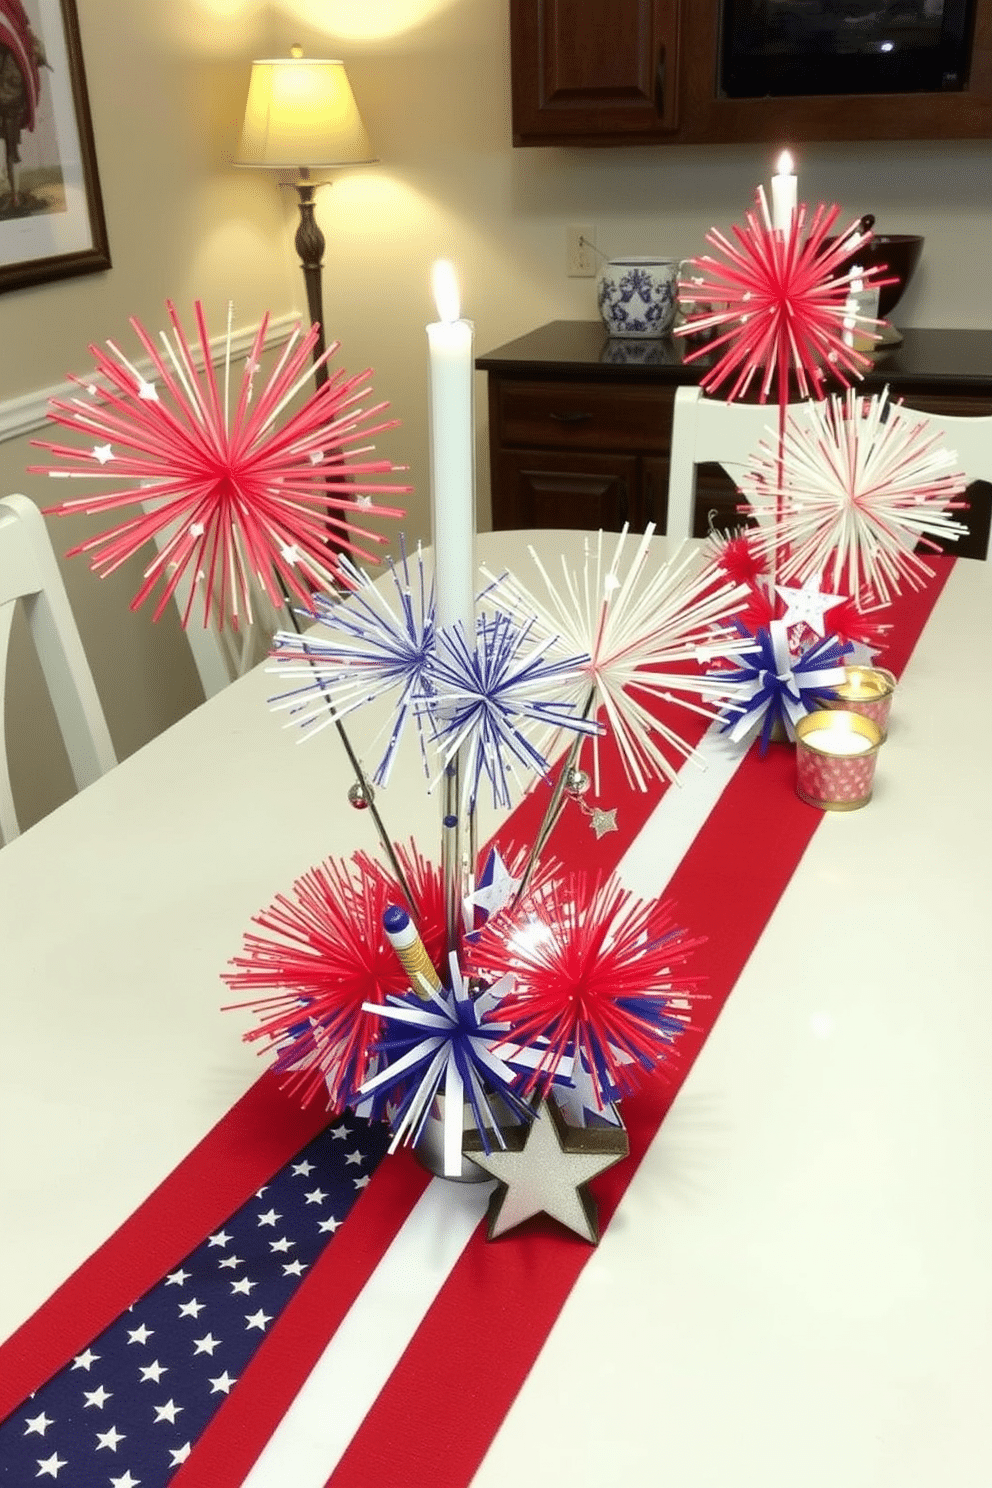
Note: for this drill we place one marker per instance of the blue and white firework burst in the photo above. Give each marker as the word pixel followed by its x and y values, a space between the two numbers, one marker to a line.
pixel 377 645
pixel 495 704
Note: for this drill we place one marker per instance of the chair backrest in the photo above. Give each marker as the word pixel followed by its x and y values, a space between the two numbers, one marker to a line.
pixel 970 439
pixel 30 573
pixel 711 430
pixel 221 655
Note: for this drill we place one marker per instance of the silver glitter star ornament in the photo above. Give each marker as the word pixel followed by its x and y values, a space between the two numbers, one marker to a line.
pixel 545 1169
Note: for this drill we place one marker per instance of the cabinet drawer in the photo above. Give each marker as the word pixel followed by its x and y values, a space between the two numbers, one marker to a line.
pixel 590 415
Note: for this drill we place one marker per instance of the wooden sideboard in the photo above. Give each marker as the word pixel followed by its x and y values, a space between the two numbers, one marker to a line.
pixel 580 425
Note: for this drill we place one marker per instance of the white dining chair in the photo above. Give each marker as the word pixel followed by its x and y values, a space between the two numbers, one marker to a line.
pixel 29 574
pixel 970 438
pixel 712 431
pixel 706 430
pixel 222 654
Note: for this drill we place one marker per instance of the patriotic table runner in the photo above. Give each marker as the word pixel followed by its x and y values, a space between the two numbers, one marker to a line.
pixel 219 1338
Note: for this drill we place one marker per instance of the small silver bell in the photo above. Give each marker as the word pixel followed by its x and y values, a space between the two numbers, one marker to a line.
pixel 577 782
pixel 361 796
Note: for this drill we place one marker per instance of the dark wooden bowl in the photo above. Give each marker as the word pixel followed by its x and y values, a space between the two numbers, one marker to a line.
pixel 899 254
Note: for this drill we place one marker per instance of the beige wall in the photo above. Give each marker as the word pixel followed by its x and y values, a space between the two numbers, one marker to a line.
pixel 167 86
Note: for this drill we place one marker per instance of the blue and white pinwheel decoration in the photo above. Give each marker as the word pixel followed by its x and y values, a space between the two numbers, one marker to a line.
pixel 774 686
pixel 441 1044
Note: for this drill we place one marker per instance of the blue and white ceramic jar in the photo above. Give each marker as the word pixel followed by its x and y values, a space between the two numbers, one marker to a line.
pixel 637 296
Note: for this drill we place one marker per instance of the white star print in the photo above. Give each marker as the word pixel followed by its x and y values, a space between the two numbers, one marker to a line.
pixel 206 1344
pixel 168 1412
pixel 295 1268
pixel 284 1244
pixel 125 1482
pixel 154 1371
pixel 315 1196
pixel 111 1439
pixel 85 1360
pixel 221 1238
pixel 244 1286
pixel 139 1335
pixel 223 1382
pixel 192 1308
pixel 98 1397
pixel 179 1454
pixel 38 1424
pixel 363 1182
pixel 51 1466
pixel 303 1169
pixel 338 1133
pixel 178 1278
pixel 229 1263
pixel 257 1320
pixel 269 1217
pixel 329 1225
pixel 355 1158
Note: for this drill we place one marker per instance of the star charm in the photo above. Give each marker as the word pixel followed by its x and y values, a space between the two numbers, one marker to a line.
pixel 545 1170
pixel 603 821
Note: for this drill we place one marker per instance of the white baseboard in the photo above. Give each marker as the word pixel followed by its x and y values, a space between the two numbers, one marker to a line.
pixel 29 411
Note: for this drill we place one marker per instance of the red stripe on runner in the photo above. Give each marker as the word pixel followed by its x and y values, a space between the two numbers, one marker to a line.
pixel 491 1319
pixel 256 1137
pixel 227 1450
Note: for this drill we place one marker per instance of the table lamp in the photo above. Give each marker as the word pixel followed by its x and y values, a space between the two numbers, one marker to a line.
pixel 301 115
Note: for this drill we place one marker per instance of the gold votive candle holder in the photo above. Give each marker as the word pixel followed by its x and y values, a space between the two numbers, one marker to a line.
pixel 835 759
pixel 868 691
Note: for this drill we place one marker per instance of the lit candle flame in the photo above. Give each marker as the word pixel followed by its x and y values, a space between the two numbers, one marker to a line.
pixel 445 287
pixel 785 165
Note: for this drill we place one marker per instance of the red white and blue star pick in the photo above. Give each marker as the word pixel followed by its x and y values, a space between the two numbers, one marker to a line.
pixel 545 1168
pixel 808 604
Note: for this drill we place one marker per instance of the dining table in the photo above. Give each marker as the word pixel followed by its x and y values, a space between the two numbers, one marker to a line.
pixel 793 1284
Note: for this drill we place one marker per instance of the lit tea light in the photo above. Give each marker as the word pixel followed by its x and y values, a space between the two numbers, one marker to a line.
pixel 835 759
pixel 867 691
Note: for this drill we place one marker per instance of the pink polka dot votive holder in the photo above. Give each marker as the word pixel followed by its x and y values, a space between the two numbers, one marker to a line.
pixel 868 691
pixel 835 759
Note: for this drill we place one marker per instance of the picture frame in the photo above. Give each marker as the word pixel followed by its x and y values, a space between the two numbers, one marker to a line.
pixel 52 224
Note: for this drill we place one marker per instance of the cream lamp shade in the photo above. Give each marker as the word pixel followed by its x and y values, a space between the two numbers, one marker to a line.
pixel 301 113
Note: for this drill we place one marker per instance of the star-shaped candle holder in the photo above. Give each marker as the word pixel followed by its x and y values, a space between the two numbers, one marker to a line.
pixel 546 1168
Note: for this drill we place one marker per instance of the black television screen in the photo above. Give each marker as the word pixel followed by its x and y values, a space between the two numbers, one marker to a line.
pixel 803 47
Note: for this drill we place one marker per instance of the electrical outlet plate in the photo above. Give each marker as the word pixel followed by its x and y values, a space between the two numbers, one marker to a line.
pixel 581 250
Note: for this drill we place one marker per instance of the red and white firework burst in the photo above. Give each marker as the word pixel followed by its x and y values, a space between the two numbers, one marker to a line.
pixel 254 494
pixel 780 304
pixel 319 954
pixel 597 976
pixel 854 488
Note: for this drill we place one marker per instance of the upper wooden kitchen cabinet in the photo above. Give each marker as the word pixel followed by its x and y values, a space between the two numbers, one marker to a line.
pixel 586 72
pixel 623 72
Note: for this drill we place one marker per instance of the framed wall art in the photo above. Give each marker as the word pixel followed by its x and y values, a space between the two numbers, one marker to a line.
pixel 51 213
